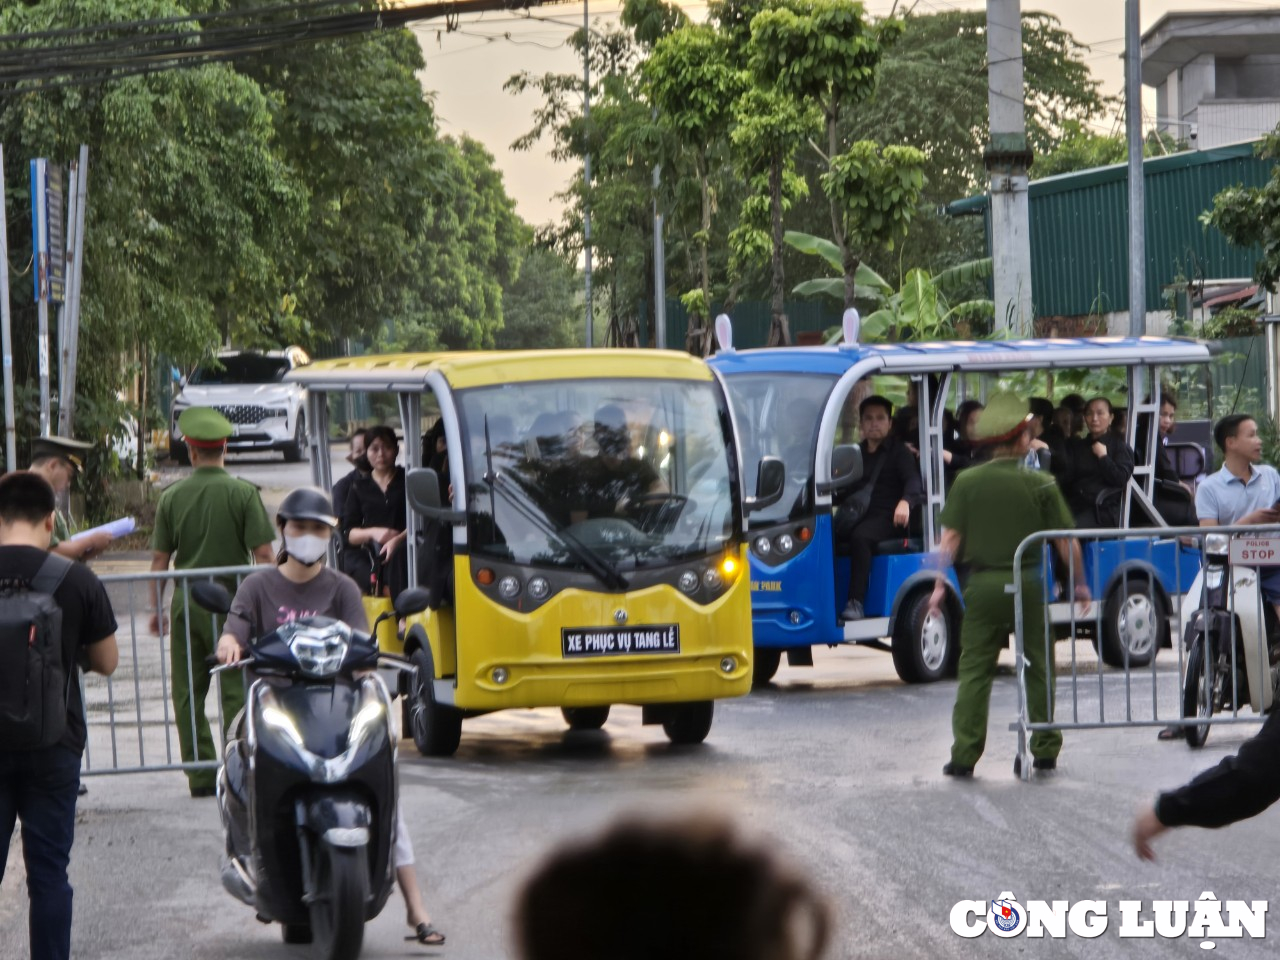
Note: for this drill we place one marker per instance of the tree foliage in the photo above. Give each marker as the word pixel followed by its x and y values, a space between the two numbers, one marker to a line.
pixel 1250 216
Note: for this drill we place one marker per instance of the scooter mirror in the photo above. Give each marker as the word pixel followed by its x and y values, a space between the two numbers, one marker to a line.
pixel 212 596
pixel 412 601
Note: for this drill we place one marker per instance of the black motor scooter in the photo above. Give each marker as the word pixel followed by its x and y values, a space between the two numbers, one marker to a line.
pixel 307 786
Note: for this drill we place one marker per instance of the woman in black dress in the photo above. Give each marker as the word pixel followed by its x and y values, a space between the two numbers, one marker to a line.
pixel 375 513
pixel 1099 466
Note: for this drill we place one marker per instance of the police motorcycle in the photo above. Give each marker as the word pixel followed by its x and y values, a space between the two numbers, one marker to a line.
pixel 307 786
pixel 1230 633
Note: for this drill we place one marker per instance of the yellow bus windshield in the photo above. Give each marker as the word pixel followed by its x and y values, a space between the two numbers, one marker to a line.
pixel 633 472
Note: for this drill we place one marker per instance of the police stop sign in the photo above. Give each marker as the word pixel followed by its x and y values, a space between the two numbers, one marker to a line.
pixel 1255 551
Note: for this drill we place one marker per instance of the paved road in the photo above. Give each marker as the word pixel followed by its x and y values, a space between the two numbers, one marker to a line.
pixel 837 766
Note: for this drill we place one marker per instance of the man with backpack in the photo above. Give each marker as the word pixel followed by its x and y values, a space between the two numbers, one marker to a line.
pixel 54 616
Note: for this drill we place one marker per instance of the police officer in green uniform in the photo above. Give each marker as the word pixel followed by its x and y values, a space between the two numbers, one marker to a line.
pixel 58 459
pixel 991 509
pixel 209 519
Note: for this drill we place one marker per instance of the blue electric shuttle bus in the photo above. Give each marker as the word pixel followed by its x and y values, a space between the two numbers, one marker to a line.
pixel 800 404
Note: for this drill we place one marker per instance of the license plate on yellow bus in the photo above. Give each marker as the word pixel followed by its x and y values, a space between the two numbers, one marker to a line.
pixel 619 641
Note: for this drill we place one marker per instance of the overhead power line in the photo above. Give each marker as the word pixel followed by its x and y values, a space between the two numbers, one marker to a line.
pixel 86 55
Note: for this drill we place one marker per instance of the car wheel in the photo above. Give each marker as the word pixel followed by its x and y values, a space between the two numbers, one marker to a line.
pixel 924 646
pixel 296 451
pixel 1134 624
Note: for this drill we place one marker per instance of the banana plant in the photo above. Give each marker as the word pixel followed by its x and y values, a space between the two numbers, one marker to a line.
pixel 919 310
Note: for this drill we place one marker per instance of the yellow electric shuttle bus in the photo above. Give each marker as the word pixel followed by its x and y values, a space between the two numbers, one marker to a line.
pixel 586 547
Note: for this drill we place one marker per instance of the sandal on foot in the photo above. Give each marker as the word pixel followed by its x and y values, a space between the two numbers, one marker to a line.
pixel 427 934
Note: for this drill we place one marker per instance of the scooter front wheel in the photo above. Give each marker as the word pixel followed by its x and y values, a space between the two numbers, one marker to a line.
pixel 1197 692
pixel 337 912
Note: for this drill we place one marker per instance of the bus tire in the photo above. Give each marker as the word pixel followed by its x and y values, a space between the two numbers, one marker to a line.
pixel 585 718
pixel 435 727
pixel 689 723
pixel 1133 617
pixel 764 665
pixel 924 647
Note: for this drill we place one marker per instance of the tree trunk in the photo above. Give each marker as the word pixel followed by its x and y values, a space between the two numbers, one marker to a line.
pixel 142 420
pixel 779 328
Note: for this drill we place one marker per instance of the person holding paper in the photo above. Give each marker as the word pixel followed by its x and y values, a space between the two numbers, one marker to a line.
pixel 57 460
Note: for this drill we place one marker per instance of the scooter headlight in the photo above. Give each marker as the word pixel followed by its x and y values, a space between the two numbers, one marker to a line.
pixel 281 723
pixel 320 649
pixel 366 722
pixel 1217 545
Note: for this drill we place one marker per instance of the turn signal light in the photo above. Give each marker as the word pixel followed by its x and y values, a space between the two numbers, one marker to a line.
pixel 485 577
pixel 805 534
pixel 729 567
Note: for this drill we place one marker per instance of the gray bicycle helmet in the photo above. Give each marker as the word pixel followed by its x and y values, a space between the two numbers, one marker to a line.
pixel 307 503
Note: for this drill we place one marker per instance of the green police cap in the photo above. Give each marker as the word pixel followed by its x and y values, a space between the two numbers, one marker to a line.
pixel 1003 418
pixel 64 448
pixel 204 427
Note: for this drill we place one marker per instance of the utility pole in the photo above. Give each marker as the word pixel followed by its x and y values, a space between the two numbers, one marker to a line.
pixel 10 436
pixel 1007 158
pixel 659 269
pixel 1137 192
pixel 586 166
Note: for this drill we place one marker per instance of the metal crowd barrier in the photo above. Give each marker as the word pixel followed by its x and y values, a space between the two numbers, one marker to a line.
pixel 1090 694
pixel 129 717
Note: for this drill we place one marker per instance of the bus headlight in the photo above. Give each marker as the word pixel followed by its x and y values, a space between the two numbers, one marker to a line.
pixel 688 581
pixel 762 546
pixel 539 588
pixel 500 675
pixel 508 587
pixel 785 543
pixel 712 579
pixel 728 664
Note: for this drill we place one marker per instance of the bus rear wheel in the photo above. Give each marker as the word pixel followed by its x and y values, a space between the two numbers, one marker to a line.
pixel 585 718
pixel 764 665
pixel 689 723
pixel 1134 624
pixel 924 646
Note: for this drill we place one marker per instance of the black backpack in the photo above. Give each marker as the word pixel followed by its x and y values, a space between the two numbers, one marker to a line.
pixel 33 682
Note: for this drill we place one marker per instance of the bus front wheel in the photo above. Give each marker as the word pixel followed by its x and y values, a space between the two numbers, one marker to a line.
pixel 585 718
pixel 689 723
pixel 924 645
pixel 436 728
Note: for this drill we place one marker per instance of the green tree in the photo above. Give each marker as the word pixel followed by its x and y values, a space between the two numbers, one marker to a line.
pixel 1250 216
pixel 694 85
pixel 825 53
pixel 540 308
pixel 1082 149
pixel 192 210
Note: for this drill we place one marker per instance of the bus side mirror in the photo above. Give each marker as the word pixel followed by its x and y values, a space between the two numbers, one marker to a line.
pixel 423 488
pixel 770 482
pixel 411 601
pixel 846 468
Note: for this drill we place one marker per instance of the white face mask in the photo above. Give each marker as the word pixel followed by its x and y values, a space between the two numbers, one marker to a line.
pixel 306 549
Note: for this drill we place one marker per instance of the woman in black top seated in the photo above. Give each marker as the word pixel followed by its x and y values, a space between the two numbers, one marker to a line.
pixel 375 512
pixel 1099 465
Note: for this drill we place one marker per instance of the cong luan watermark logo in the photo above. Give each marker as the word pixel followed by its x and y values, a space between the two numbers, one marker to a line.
pixel 1206 919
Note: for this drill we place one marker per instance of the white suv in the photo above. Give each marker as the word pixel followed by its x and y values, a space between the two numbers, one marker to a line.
pixel 247 389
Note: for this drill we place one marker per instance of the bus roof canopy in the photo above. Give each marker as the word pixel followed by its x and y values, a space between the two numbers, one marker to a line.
pixel 972 356
pixel 408 372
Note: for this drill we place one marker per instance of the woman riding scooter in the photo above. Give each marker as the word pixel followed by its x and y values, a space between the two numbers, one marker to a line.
pixel 300 585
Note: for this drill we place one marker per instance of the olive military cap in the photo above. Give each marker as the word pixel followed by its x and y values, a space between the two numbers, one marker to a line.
pixel 204 427
pixel 1003 418
pixel 64 448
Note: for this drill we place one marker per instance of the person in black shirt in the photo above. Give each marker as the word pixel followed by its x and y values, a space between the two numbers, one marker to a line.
pixel 613 479
pixel 1237 788
pixel 893 476
pixel 357 564
pixel 375 511
pixel 39 787
pixel 1098 463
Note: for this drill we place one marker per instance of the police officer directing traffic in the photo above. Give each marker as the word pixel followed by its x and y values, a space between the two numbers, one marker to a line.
pixel 208 519
pixel 990 510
